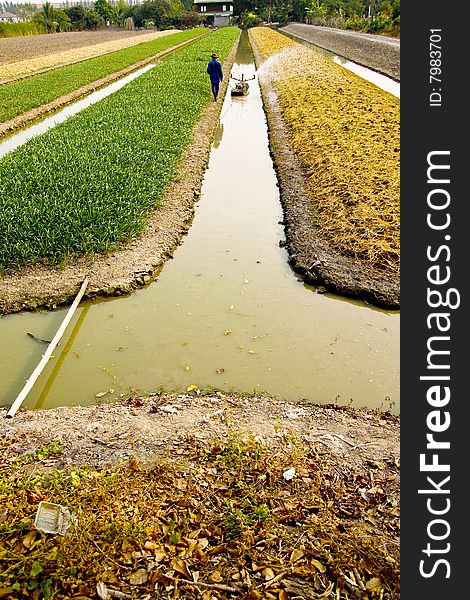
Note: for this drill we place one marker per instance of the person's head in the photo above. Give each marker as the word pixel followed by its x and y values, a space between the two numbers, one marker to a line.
pixel 214 56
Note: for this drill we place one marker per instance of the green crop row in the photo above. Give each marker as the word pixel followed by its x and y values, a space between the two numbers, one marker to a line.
pixel 19 96
pixel 87 185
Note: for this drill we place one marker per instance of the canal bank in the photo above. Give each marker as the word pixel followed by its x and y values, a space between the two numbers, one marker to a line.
pixel 227 313
pixel 335 145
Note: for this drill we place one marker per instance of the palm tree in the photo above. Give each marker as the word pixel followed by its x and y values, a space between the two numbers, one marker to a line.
pixel 48 16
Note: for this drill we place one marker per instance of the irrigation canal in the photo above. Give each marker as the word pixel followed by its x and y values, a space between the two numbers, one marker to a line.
pixel 227 312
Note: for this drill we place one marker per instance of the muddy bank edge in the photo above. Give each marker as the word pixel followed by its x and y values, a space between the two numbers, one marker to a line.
pixel 310 254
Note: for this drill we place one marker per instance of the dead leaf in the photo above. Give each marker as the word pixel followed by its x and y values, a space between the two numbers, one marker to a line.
pixel 150 545
pixel 267 574
pixel 317 564
pixel 102 591
pixel 296 555
pixel 374 585
pixel 283 595
pixel 180 566
pixel 215 577
pixel 138 577
pixel 28 539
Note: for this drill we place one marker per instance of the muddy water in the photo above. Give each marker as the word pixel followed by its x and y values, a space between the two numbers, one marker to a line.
pixel 227 312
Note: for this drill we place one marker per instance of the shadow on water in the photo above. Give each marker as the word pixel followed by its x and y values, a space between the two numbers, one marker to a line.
pixel 226 313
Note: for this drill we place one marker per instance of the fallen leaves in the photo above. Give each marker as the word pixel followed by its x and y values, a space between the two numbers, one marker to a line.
pixel 221 524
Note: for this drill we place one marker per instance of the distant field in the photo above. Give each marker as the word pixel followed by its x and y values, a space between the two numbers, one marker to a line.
pixel 22 48
pixel 39 62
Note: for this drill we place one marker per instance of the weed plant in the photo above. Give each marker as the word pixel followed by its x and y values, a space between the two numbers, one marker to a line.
pixel 225 512
pixel 20 29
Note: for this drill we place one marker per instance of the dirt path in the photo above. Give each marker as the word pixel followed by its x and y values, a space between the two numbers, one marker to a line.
pixel 377 52
pixel 161 424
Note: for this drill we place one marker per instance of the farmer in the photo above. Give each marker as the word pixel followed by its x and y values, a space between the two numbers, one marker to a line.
pixel 214 69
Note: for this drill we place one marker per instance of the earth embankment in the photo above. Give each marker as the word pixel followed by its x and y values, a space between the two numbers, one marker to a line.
pixel 334 139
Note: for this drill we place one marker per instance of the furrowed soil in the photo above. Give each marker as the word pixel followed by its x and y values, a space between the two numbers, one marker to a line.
pixel 62 48
pixel 380 53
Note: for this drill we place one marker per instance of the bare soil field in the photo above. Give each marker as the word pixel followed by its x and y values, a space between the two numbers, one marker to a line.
pixel 379 53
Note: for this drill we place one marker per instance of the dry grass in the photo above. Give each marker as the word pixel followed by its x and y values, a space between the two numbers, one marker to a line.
pixel 346 134
pixel 218 521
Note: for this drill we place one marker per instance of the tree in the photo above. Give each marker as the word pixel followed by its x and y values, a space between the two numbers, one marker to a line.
pixel 83 18
pixel 51 19
pixel 105 10
pixel 190 19
pixel 92 19
pixel 162 12
pixel 26 11
pixel 46 18
pixel 62 19
pixel 76 15
pixel 122 10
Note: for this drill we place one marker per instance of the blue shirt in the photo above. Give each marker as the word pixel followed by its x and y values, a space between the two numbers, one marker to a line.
pixel 214 69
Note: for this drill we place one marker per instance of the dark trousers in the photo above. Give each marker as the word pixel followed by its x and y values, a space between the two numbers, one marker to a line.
pixel 215 87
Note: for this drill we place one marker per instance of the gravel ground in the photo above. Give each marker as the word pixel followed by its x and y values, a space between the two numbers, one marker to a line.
pixel 160 424
pixel 14 49
pixel 377 52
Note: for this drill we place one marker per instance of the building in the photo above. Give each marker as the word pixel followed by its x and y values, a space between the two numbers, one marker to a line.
pixel 8 17
pixel 215 12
